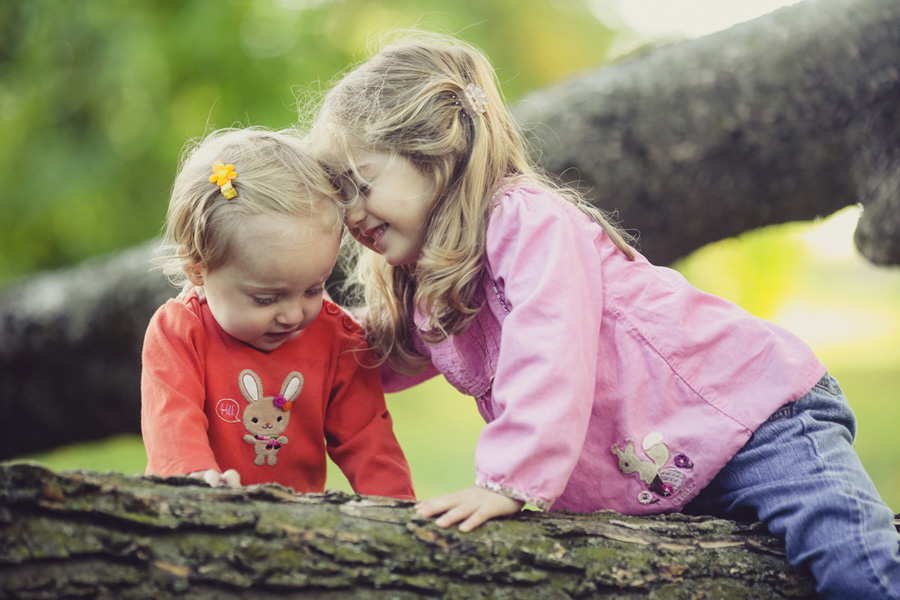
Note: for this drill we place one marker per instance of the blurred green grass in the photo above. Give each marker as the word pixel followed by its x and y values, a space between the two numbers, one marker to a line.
pixel 844 307
pixel 97 98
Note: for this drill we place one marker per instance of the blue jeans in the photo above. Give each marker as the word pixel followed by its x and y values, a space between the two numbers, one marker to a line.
pixel 800 476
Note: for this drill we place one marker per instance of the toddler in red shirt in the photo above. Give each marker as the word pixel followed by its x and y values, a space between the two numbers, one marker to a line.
pixel 252 376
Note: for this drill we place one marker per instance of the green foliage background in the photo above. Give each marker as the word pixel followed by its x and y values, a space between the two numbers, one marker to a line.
pixel 98 97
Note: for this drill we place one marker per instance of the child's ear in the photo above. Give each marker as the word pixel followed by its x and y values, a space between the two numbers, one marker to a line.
pixel 195 274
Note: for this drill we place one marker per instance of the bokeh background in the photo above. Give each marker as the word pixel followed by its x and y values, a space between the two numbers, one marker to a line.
pixel 98 97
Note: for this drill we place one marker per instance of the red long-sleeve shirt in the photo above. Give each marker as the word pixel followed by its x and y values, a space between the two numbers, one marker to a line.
pixel 202 407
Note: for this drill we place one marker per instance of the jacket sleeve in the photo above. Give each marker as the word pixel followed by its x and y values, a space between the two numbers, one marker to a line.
pixel 359 431
pixel 546 263
pixel 392 381
pixel 397 382
pixel 173 424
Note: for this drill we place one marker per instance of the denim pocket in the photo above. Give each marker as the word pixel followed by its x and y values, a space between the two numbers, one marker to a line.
pixel 829 384
pixel 826 384
pixel 785 412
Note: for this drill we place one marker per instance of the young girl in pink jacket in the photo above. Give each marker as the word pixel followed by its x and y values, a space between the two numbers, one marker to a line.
pixel 605 382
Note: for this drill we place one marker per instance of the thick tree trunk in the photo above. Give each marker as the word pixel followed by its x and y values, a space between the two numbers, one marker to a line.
pixel 70 351
pixel 788 117
pixel 784 118
pixel 84 534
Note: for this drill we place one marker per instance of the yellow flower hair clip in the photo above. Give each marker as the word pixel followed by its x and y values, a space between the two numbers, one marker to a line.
pixel 222 176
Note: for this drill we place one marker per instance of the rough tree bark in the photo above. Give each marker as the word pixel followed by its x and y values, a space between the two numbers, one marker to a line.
pixel 70 351
pixel 787 117
pixel 110 536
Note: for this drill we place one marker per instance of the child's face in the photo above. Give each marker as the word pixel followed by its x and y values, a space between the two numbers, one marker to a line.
pixel 391 213
pixel 271 286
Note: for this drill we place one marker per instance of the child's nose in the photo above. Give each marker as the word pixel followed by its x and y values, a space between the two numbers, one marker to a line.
pixel 291 313
pixel 355 215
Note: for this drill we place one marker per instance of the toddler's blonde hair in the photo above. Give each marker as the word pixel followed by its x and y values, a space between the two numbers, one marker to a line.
pixel 276 173
pixel 408 99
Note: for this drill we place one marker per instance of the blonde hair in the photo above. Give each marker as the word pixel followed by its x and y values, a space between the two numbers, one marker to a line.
pixel 408 99
pixel 276 173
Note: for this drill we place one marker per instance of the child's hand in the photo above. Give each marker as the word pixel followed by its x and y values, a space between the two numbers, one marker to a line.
pixel 230 477
pixel 473 506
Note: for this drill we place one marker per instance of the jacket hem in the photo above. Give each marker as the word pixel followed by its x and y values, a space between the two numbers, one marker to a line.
pixel 514 494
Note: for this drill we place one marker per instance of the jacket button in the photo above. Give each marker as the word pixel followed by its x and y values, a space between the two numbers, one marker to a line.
pixel 350 324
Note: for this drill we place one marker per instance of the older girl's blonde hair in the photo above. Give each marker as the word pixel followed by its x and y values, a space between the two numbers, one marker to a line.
pixel 276 173
pixel 408 99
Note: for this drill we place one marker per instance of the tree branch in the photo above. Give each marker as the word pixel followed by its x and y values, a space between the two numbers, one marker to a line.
pixel 788 117
pixel 86 534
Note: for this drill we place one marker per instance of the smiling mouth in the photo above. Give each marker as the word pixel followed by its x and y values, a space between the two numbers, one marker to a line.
pixel 374 235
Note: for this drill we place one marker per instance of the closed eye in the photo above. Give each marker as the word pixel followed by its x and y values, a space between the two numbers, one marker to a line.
pixel 352 188
pixel 360 186
pixel 357 190
pixel 265 300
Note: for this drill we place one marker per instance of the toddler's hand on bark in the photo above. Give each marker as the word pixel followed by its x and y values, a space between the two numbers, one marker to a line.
pixel 230 478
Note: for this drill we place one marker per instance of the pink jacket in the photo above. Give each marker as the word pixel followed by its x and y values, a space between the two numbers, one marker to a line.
pixel 606 383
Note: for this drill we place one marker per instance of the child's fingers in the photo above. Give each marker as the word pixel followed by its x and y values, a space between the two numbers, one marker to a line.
pixel 214 479
pixel 210 477
pixel 476 519
pixel 470 507
pixel 485 512
pixel 455 515
pixel 434 506
pixel 462 505
pixel 231 478
pixel 438 504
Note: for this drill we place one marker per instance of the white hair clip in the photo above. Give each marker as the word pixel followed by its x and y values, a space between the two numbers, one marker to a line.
pixel 476 100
